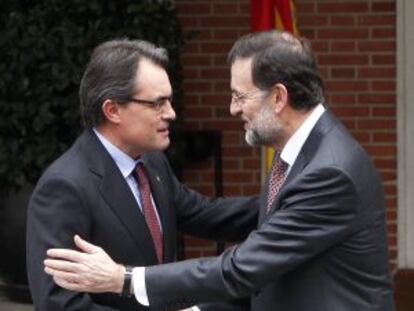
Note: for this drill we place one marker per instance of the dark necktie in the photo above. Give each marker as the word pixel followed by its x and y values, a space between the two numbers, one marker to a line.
pixel 148 209
pixel 277 177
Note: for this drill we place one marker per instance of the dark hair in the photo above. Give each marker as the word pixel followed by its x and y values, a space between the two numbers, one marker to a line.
pixel 280 57
pixel 110 74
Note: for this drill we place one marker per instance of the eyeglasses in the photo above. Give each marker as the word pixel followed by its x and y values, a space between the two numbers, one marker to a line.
pixel 157 104
pixel 239 99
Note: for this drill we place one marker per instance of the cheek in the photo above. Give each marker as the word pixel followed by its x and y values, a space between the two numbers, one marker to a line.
pixel 141 122
pixel 148 130
pixel 250 115
pixel 252 111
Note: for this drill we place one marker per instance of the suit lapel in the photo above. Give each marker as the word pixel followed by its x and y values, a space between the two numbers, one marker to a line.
pixel 324 124
pixel 263 200
pixel 117 194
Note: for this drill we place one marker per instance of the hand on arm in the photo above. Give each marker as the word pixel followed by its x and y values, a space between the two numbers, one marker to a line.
pixel 88 270
pixel 91 270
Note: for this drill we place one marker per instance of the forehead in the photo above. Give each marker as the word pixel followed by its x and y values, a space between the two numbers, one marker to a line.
pixel 152 78
pixel 241 74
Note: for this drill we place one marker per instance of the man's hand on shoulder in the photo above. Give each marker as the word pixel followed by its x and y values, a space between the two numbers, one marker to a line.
pixel 88 270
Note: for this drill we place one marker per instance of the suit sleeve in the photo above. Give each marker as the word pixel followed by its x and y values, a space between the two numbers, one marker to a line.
pixel 55 214
pixel 234 305
pixel 220 219
pixel 316 213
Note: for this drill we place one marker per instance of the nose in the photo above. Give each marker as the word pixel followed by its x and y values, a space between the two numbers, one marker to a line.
pixel 235 109
pixel 168 112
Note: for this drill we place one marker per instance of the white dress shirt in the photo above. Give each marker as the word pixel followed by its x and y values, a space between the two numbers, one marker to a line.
pixel 295 143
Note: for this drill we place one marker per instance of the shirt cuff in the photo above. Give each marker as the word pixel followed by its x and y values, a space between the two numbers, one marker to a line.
pixel 138 282
pixel 195 308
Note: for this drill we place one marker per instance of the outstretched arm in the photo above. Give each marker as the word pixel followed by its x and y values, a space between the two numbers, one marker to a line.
pixel 89 270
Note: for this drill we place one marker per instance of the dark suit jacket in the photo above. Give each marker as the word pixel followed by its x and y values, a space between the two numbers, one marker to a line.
pixel 322 247
pixel 83 192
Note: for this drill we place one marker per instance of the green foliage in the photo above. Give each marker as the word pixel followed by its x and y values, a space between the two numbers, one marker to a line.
pixel 44 47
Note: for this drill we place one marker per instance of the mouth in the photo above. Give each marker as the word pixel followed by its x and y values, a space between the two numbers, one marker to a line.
pixel 164 131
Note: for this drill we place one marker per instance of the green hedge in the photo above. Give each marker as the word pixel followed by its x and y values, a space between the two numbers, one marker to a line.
pixel 44 47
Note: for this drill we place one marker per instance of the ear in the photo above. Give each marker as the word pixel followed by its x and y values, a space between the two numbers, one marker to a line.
pixel 111 110
pixel 280 96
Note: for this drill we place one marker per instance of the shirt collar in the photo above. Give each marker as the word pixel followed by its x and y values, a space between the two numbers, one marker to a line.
pixel 125 163
pixel 295 143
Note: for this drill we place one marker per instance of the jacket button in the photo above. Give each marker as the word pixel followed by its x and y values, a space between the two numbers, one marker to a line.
pixel 257 293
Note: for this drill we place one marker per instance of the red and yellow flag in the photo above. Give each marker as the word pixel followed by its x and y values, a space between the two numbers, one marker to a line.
pixel 272 14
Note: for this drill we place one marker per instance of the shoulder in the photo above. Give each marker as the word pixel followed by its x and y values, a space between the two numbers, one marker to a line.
pixel 71 166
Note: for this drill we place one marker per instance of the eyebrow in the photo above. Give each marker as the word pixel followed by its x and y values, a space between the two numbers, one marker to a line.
pixel 164 97
pixel 169 97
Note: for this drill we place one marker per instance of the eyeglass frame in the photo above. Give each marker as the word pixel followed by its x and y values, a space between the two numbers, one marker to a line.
pixel 240 98
pixel 156 104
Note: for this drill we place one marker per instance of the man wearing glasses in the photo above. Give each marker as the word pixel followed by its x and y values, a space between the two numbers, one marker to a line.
pixel 320 243
pixel 115 187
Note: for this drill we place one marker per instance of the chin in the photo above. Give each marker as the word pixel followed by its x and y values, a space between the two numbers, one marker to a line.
pixel 165 145
pixel 251 139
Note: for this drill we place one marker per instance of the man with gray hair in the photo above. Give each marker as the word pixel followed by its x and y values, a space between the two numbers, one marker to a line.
pixel 115 187
pixel 320 243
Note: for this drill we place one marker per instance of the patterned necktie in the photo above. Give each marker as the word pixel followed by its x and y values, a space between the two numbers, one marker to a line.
pixel 277 177
pixel 149 209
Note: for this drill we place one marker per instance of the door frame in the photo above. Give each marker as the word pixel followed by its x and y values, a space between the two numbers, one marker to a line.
pixel 405 132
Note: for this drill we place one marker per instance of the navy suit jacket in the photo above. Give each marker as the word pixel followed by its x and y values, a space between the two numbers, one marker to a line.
pixel 322 247
pixel 83 192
